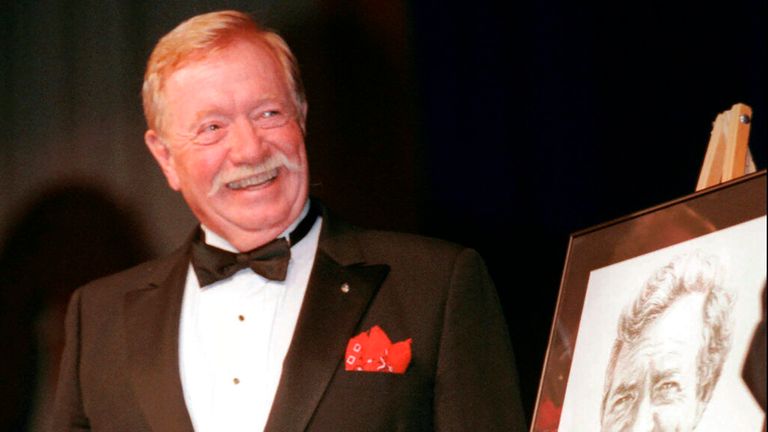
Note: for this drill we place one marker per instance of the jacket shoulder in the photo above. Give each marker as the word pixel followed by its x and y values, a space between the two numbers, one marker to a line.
pixel 136 277
pixel 417 257
pixel 405 243
pixel 350 243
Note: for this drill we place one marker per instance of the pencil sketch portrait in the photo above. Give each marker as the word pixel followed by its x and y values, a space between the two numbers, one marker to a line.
pixel 670 347
pixel 663 336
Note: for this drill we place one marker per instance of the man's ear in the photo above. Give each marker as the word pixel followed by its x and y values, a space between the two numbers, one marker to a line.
pixel 303 118
pixel 162 155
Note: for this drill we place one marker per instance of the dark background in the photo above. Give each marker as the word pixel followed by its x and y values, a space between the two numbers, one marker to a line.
pixel 501 126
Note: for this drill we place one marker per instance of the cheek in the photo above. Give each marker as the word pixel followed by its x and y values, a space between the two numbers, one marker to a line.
pixel 199 168
pixel 290 141
pixel 677 415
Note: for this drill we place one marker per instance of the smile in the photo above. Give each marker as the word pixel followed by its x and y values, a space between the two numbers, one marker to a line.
pixel 254 181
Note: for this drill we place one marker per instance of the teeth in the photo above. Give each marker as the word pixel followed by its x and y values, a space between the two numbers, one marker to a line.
pixel 255 180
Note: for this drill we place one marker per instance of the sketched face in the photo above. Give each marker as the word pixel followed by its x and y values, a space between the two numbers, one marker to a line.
pixel 654 384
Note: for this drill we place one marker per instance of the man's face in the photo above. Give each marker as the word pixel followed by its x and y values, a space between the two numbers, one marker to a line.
pixel 232 143
pixel 653 387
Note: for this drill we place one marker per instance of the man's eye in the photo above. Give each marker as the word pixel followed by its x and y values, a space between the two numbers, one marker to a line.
pixel 211 128
pixel 667 390
pixel 209 133
pixel 621 402
pixel 271 119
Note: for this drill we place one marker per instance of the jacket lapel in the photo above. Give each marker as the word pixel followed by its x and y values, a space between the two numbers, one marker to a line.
pixel 152 315
pixel 329 317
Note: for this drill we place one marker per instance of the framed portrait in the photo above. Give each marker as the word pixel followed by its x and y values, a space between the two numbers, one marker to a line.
pixel 655 316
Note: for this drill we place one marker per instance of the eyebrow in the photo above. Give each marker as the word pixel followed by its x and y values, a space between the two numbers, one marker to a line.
pixel 624 388
pixel 203 114
pixel 218 111
pixel 664 374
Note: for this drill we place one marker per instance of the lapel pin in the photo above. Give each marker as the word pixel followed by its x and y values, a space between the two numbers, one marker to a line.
pixel 345 288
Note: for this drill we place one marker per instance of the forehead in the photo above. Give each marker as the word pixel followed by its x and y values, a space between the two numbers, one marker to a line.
pixel 675 337
pixel 234 79
pixel 240 59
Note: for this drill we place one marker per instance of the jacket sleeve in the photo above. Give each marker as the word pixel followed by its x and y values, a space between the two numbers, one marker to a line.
pixel 476 386
pixel 68 413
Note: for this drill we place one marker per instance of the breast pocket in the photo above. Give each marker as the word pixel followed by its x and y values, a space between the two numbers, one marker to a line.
pixel 375 401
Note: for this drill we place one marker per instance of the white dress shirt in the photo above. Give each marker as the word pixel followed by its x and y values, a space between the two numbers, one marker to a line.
pixel 234 335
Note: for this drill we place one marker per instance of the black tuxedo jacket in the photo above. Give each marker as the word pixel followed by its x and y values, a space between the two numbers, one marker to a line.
pixel 120 369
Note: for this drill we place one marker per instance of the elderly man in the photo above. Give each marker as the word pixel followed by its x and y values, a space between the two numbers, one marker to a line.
pixel 275 315
pixel 671 345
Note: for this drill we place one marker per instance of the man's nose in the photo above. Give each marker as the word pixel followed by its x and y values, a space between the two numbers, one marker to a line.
pixel 644 417
pixel 247 144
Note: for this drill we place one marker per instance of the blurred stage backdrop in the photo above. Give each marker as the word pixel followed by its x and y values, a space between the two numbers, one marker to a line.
pixel 504 126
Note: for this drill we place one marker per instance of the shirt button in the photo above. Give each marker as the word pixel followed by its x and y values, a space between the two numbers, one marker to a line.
pixel 236 381
pixel 241 318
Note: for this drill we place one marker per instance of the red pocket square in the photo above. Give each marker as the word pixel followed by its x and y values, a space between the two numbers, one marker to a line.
pixel 372 351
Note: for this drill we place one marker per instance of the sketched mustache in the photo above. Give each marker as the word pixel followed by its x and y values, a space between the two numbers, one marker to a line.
pixel 261 172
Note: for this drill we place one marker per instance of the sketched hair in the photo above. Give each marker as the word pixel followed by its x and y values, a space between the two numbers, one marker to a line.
pixel 684 275
pixel 205 34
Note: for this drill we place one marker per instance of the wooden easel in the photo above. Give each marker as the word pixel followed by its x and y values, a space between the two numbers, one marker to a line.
pixel 728 153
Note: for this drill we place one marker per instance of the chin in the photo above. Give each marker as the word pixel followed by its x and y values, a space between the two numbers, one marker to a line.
pixel 261 218
pixel 253 215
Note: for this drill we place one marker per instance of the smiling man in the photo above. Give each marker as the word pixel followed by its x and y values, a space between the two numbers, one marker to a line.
pixel 671 345
pixel 275 315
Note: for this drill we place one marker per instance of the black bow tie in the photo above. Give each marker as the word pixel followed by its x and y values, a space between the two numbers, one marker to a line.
pixel 212 264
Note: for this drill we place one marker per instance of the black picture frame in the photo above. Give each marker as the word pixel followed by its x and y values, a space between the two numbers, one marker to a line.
pixel 646 232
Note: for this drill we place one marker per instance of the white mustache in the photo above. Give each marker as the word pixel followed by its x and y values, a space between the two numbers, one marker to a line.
pixel 274 161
